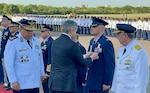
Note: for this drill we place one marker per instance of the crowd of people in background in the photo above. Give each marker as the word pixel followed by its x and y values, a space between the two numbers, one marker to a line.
pixel 84 22
pixel 67 68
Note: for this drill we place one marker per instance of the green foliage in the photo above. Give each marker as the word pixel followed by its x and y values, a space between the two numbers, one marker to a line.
pixel 47 10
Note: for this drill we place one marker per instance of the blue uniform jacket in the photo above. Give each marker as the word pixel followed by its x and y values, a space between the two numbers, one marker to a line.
pixel 24 64
pixel 5 36
pixel 46 51
pixel 102 70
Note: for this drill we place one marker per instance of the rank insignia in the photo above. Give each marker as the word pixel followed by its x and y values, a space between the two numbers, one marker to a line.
pixel 137 47
pixel 21 39
pixel 12 37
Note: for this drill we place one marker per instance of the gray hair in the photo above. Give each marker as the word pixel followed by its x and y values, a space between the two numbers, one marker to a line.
pixel 68 25
pixel 130 35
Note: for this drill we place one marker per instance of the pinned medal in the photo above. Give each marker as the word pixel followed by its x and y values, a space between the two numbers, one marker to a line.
pixel 98 48
pixel 44 47
pixel 6 33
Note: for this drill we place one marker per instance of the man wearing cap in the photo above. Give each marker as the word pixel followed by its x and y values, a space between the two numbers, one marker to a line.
pixel 24 60
pixel 101 72
pixel 5 36
pixel 132 71
pixel 46 50
pixel 14 29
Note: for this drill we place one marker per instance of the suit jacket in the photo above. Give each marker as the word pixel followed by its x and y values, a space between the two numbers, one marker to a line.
pixel 5 36
pixel 102 70
pixel 132 71
pixel 65 55
pixel 23 63
pixel 46 51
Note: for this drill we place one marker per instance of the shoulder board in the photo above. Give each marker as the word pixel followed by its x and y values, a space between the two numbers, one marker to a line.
pixel 137 47
pixel 12 38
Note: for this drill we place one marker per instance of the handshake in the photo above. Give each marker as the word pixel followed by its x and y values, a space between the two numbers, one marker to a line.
pixel 93 55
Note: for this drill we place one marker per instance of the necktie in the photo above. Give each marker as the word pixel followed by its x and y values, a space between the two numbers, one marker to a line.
pixel 124 51
pixel 29 43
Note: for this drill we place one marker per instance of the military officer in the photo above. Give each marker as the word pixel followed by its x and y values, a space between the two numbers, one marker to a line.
pixel 24 60
pixel 46 50
pixel 5 36
pixel 101 72
pixel 14 29
pixel 132 71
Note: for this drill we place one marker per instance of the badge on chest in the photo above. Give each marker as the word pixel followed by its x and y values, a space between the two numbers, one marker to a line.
pixel 98 48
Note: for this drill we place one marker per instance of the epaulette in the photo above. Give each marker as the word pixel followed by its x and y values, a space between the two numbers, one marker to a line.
pixel 12 38
pixel 137 47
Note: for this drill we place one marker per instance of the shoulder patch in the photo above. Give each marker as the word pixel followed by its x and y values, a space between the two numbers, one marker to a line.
pixel 12 38
pixel 137 47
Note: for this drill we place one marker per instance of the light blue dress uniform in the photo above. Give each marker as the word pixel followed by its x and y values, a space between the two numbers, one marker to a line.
pixel 23 63
pixel 132 71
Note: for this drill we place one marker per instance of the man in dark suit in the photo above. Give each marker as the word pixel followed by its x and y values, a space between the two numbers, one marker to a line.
pixel 46 50
pixel 101 72
pixel 65 57
pixel 5 36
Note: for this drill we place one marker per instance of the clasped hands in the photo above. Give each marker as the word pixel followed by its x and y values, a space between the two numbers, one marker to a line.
pixel 93 55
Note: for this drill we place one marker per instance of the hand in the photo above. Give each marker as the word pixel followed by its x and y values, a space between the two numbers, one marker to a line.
pixel 15 86
pixel 46 76
pixel 88 54
pixel 83 84
pixel 42 78
pixel 95 56
pixel 105 87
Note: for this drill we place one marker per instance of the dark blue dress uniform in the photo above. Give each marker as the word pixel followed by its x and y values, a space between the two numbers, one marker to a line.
pixel 46 51
pixel 5 37
pixel 81 72
pixel 102 70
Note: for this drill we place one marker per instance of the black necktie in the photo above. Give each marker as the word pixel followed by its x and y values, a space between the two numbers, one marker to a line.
pixel 29 43
pixel 124 51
